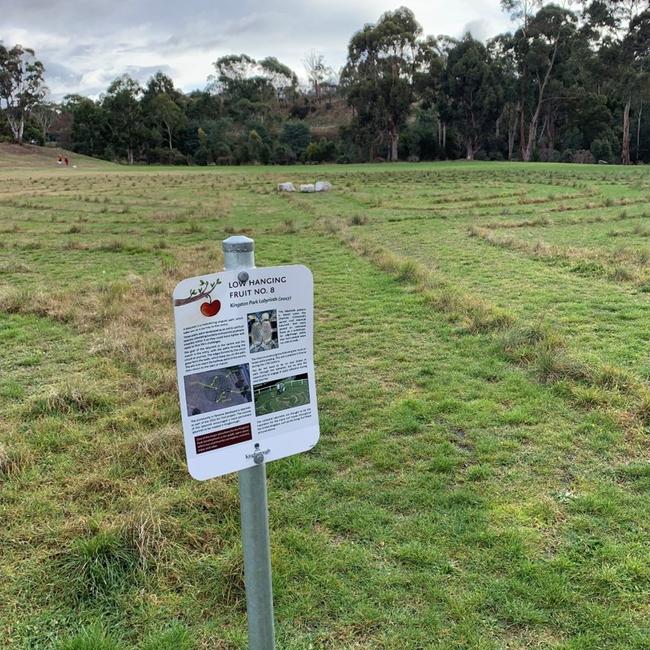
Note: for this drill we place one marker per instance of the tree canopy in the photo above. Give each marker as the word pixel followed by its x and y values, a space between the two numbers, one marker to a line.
pixel 568 82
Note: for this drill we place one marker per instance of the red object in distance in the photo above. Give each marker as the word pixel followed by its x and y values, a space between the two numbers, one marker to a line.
pixel 210 308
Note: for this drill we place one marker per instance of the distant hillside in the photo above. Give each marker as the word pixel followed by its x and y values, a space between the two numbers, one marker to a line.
pixel 29 156
pixel 326 118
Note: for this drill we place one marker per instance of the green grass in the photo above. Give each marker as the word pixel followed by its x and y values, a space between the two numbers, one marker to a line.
pixel 482 476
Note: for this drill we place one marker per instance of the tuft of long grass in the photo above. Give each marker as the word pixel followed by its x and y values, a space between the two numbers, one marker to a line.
pixel 13 460
pixel 100 566
pixel 142 532
pixel 94 637
pixel 70 399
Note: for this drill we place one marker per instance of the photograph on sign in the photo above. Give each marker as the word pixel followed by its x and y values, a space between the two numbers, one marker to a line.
pixel 281 394
pixel 263 331
pixel 217 389
pixel 244 356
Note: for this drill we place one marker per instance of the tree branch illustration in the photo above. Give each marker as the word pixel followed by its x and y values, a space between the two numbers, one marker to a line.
pixel 204 290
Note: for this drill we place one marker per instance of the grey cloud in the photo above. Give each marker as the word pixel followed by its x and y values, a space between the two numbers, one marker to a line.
pixel 61 73
pixel 86 43
pixel 144 73
pixel 481 30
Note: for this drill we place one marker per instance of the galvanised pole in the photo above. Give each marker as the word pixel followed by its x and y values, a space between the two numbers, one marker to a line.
pixel 239 255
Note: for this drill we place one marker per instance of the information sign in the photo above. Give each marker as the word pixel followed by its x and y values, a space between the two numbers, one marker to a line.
pixel 244 357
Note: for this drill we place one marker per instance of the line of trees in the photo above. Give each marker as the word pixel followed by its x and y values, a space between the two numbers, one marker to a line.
pixel 569 85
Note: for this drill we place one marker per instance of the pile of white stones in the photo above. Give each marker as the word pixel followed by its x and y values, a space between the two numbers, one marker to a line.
pixel 320 186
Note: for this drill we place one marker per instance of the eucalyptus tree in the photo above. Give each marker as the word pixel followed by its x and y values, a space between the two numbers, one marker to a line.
pixel 318 72
pixel 430 97
pixel 619 30
pixel 281 77
pixel 238 83
pixel 474 98
pixel 504 71
pixel 636 51
pixel 89 134
pixel 124 117
pixel 378 78
pixel 21 86
pixel 249 88
pixel 163 108
pixel 44 114
pixel 539 44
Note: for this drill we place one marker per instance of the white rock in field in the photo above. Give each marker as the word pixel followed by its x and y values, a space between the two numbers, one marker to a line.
pixel 323 186
pixel 308 187
pixel 286 187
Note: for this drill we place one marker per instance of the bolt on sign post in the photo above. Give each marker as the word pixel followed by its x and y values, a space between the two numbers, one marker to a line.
pixel 245 365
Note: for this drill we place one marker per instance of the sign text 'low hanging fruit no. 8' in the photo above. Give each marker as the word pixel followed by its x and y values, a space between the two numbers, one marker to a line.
pixel 244 357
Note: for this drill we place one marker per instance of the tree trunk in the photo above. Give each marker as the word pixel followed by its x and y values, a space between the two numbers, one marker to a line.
pixel 393 138
pixel 469 148
pixel 638 131
pixel 625 152
pixel 129 155
pixel 512 131
pixel 169 135
pixel 17 126
pixel 527 150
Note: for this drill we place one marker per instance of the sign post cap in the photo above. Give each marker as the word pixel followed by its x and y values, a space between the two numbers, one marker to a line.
pixel 238 244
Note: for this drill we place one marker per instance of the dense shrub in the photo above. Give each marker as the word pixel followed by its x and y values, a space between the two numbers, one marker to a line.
pixel 282 154
pixel 296 136
pixel 583 156
pixel 567 156
pixel 602 150
pixel 322 151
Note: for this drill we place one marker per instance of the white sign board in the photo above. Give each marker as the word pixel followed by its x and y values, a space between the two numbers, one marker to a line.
pixel 245 364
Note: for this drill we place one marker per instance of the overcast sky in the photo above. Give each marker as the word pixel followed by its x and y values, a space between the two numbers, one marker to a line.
pixel 86 44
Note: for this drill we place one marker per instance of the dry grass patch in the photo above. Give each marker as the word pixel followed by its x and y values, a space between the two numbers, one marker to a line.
pixel 13 459
pixel 622 265
pixel 75 398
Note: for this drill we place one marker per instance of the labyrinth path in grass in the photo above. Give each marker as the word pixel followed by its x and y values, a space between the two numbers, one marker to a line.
pixel 481 350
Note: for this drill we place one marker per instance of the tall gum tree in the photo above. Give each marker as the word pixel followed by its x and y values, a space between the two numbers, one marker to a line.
pixel 620 31
pixel 21 86
pixel 162 107
pixel 539 42
pixel 473 96
pixel 378 77
pixel 637 44
pixel 504 74
pixel 249 88
pixel 124 115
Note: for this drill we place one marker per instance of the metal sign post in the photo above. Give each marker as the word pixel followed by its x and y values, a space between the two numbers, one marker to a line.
pixel 239 255
pixel 247 392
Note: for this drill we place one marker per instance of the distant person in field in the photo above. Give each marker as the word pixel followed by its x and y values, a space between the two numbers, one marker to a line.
pixel 60 160
pixel 66 161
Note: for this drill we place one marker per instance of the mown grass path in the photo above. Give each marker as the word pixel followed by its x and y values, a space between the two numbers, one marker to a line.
pixel 454 500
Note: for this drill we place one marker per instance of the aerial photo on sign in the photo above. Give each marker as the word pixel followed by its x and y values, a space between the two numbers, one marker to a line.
pixel 212 390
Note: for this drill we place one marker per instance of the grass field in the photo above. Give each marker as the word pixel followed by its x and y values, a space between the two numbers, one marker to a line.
pixel 482 480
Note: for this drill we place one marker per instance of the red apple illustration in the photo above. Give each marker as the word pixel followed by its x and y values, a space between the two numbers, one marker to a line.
pixel 210 308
